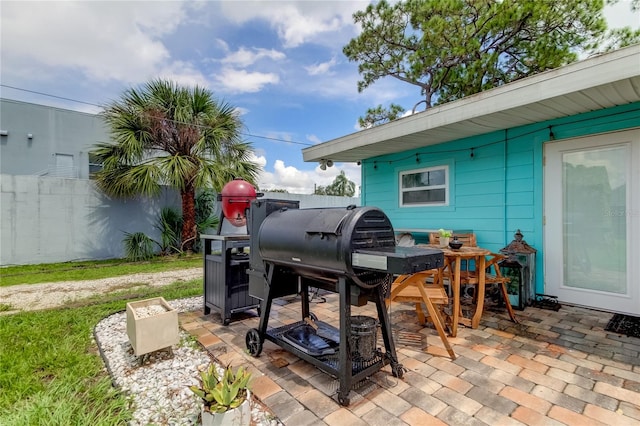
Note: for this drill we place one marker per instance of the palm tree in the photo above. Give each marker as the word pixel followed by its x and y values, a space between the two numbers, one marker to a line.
pixel 182 137
pixel 341 187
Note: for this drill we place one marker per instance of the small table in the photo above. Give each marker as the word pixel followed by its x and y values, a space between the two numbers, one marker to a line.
pixel 456 257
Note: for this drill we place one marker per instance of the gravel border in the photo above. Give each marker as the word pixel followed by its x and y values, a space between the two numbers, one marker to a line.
pixel 157 383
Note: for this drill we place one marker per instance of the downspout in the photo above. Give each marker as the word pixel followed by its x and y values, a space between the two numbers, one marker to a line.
pixel 504 193
pixel 362 183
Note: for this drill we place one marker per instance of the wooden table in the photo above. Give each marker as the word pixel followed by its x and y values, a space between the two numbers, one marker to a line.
pixel 453 260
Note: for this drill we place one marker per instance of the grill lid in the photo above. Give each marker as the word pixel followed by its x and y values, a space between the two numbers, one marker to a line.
pixel 329 222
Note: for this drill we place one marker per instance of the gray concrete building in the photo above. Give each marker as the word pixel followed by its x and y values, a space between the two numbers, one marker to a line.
pixel 50 210
pixel 39 140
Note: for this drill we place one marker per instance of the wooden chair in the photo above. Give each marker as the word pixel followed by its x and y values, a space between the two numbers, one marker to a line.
pixel 468 240
pixel 493 276
pixel 469 276
pixel 424 287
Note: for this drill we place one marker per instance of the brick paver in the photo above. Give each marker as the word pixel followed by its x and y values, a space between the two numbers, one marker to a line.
pixel 571 418
pixel 554 368
pixel 416 417
pixel 526 399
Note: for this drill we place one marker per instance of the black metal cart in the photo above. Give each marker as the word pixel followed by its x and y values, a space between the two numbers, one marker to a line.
pixel 226 284
pixel 325 346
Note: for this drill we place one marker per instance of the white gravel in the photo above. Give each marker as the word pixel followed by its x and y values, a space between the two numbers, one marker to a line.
pixel 158 386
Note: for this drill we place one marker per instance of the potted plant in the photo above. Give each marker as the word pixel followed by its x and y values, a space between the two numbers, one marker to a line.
pixel 225 395
pixel 444 237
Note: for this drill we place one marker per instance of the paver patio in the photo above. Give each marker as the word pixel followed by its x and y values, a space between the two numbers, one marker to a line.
pixel 553 368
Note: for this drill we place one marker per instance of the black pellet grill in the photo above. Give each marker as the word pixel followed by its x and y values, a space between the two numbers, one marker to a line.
pixel 350 251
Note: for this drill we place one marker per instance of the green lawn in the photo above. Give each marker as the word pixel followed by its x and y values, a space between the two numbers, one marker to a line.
pixel 51 372
pixel 92 270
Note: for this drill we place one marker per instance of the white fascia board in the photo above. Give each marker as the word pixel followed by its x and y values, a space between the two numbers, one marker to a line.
pixel 602 69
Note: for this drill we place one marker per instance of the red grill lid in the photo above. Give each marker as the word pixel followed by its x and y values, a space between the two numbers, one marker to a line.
pixel 236 198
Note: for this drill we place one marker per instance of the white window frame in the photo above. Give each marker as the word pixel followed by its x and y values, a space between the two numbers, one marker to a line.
pixel 402 191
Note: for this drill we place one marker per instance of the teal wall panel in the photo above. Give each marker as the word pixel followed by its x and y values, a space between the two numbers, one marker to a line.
pixel 496 191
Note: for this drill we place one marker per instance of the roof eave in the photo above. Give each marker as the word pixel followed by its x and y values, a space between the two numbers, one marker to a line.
pixel 495 109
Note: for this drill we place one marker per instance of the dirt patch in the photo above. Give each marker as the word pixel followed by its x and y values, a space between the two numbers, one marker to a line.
pixel 32 297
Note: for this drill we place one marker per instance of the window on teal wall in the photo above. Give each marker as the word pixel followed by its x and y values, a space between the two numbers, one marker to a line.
pixel 425 187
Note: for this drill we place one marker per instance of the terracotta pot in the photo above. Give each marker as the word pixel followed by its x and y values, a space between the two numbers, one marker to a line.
pixel 240 416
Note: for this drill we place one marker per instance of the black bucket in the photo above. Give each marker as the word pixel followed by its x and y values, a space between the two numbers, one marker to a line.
pixel 363 337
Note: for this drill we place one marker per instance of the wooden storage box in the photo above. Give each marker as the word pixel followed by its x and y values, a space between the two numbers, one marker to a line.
pixel 152 324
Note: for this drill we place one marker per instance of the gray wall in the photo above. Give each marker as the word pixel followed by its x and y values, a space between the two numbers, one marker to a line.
pixel 56 220
pixel 46 219
pixel 311 201
pixel 55 132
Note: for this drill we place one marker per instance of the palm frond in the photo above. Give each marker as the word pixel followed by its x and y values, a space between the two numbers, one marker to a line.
pixel 138 246
pixel 166 134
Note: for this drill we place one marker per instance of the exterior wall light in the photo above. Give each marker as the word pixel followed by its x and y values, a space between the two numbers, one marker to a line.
pixel 325 163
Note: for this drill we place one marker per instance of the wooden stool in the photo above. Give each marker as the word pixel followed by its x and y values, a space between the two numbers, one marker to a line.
pixel 414 288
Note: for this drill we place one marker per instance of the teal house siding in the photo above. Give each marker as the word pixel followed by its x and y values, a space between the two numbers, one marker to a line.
pixel 493 144
pixel 495 179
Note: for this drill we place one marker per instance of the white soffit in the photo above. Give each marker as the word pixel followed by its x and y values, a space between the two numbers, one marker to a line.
pixel 600 82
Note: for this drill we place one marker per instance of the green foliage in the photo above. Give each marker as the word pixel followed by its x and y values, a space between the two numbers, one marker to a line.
pixel 449 49
pixel 51 371
pixel 165 134
pixel 205 217
pixel 49 377
pixel 205 208
pixel 91 270
pixel 224 391
pixel 341 187
pixel 138 246
pixel 445 233
pixel 169 224
pixel 380 115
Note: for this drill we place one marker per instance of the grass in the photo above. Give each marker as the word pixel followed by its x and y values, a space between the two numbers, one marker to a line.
pixel 92 270
pixel 50 370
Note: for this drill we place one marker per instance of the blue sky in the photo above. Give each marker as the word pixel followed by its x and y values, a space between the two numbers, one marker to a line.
pixel 279 62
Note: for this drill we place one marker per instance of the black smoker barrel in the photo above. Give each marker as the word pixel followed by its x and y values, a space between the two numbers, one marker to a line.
pixel 319 243
pixel 350 251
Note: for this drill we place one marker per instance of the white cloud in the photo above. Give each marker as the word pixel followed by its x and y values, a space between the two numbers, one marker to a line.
pixel 183 73
pixel 244 57
pixel 285 177
pixel 240 81
pixel 321 68
pixel 297 181
pixel 241 111
pixel 313 139
pixel 104 40
pixel 260 160
pixel 620 15
pixel 298 22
